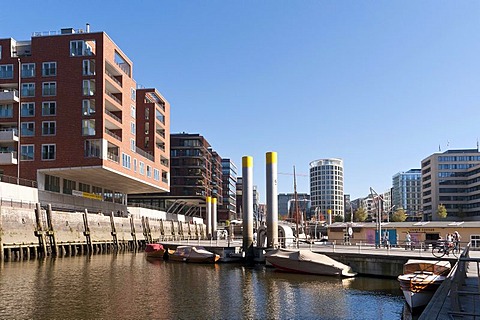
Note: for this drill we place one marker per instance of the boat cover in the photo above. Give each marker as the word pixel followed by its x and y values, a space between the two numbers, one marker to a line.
pixel 438 267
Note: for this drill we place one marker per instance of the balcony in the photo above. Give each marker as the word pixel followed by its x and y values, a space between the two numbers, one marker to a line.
pixel 8 157
pixel 112 77
pixel 8 135
pixel 9 96
pixel 113 116
pixel 108 93
pixel 111 134
pixel 144 154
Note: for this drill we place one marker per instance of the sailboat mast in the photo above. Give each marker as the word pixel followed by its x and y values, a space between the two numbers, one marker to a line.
pixel 296 201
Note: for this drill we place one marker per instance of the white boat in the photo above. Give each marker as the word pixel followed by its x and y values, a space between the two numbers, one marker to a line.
pixel 306 261
pixel 420 280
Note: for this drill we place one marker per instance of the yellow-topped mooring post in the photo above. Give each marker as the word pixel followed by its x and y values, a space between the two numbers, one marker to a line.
pixel 272 200
pixel 214 217
pixel 209 217
pixel 247 206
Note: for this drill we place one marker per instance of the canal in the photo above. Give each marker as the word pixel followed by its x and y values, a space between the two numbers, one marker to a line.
pixel 128 286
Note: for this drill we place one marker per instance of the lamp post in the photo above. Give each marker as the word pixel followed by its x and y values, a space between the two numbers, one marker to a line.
pixel 19 152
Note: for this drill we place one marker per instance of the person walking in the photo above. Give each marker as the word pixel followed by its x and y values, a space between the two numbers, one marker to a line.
pixel 408 241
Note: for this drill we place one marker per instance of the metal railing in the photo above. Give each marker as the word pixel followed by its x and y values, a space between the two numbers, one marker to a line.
pixel 113 116
pixel 108 93
pixel 20 181
pixel 110 133
pixel 113 77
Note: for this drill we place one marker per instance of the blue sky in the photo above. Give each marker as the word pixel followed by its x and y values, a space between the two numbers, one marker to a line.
pixel 379 84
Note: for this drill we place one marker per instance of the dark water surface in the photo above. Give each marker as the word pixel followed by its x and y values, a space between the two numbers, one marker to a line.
pixel 128 286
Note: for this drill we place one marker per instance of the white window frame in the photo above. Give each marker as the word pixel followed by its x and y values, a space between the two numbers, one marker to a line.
pixel 28 89
pixel 6 110
pixel 30 125
pixel 49 145
pixel 28 70
pixel 88 67
pixel 49 89
pixel 126 161
pixel 88 88
pixel 6 71
pixel 49 69
pixel 48 125
pixel 29 106
pixel 24 155
pixel 88 127
pixel 47 105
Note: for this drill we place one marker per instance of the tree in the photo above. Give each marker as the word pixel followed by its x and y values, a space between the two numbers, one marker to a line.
pixel 442 211
pixel 360 214
pixel 338 219
pixel 399 215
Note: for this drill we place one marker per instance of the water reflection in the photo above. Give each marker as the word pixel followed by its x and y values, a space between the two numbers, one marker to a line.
pixel 128 286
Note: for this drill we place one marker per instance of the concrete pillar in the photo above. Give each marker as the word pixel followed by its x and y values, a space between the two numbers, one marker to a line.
pixel 209 217
pixel 247 205
pixel 272 200
pixel 214 217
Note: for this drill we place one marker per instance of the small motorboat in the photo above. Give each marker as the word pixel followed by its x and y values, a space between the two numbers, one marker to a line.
pixel 420 280
pixel 192 254
pixel 155 250
pixel 306 261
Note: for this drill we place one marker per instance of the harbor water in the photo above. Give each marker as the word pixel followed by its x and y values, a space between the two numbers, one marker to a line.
pixel 128 286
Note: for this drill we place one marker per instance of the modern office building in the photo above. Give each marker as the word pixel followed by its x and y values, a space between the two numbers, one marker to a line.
pixel 228 209
pixel 239 197
pixel 326 187
pixel 451 179
pixel 284 202
pixel 70 115
pixel 407 192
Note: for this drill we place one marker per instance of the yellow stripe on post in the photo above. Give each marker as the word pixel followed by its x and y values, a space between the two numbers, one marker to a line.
pixel 209 199
pixel 271 157
pixel 247 161
pixel 214 200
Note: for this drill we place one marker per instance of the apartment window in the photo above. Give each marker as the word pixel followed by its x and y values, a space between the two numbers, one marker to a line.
pixel 147 113
pixel 52 183
pixel 27 129
pixel 0 52
pixel 69 186
pixel 28 70
pixel 132 127
pixel 28 109
pixel 88 127
pixel 142 167
pixel 6 110
pixel 49 108
pixel 6 71
pixel 133 94
pixel 88 67
pixel 81 48
pixel 88 107
pixel 135 165
pixel 156 174
pixel 84 187
pixel 97 190
pixel 126 161
pixel 147 142
pixel 149 171
pixel 49 69
pixel 159 115
pixel 48 128
pixel 49 88
pixel 93 148
pixel 27 152
pixel 147 127
pixel 132 145
pixel 28 89
pixel 133 111
pixel 88 87
pixel 48 152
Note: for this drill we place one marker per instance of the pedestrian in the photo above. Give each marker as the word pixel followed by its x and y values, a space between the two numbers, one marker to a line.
pixel 408 241
pixel 385 239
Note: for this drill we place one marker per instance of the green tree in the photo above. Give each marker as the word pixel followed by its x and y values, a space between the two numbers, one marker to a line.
pixel 442 211
pixel 338 219
pixel 399 215
pixel 360 215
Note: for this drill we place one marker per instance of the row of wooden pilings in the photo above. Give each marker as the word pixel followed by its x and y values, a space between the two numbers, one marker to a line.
pixel 48 247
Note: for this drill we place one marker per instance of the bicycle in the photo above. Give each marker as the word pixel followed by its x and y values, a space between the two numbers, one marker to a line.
pixel 442 249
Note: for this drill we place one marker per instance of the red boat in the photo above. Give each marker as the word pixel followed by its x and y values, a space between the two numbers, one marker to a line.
pixel 155 250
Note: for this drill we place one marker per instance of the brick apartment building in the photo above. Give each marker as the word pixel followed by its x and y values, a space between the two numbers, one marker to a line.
pixel 87 136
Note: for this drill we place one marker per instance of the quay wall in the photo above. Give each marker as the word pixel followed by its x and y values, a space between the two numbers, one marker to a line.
pixel 24 228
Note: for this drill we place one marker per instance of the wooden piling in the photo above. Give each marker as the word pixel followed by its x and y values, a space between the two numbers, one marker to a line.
pixel 39 230
pixel 51 232
pixel 134 235
pixel 114 231
pixel 86 232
